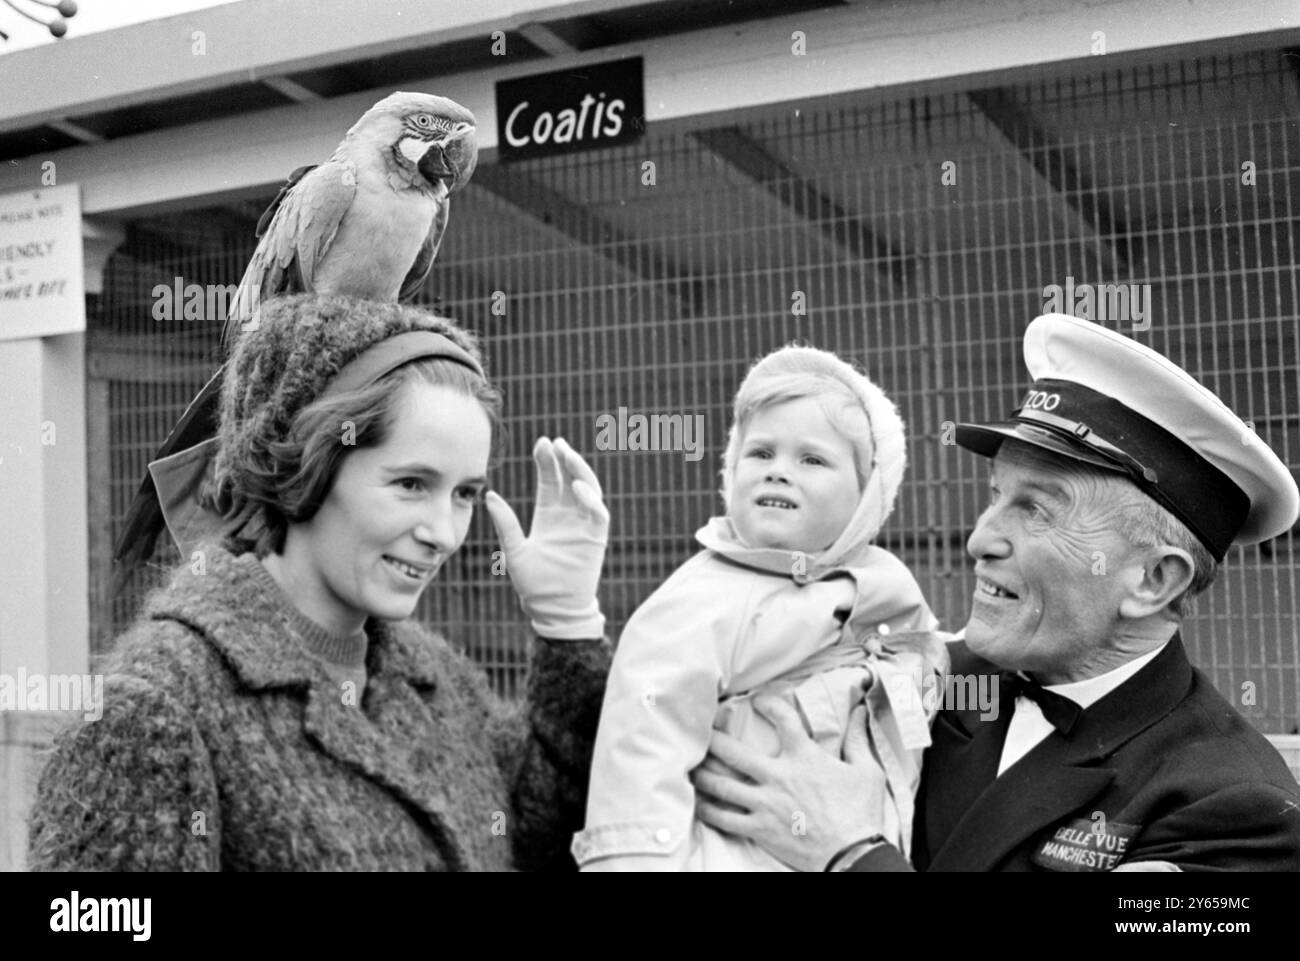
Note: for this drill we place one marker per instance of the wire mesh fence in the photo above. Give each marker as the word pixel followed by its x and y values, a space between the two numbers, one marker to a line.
pixel 915 235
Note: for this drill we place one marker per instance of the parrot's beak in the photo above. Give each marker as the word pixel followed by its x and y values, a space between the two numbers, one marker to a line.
pixel 434 165
pixel 451 160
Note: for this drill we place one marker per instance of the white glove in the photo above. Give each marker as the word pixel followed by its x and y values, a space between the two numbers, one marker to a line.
pixel 556 568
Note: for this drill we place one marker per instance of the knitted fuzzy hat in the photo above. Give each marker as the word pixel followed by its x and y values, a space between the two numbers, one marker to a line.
pixel 283 363
pixel 795 371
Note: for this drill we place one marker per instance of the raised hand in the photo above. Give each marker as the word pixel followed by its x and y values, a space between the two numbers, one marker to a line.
pixel 555 568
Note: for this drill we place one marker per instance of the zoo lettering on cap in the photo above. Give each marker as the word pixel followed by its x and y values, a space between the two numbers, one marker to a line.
pixel 1040 400
pixel 567 111
pixel 1097 428
pixel 1102 398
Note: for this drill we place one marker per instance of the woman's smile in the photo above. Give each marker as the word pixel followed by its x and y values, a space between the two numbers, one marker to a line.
pixel 416 573
pixel 395 513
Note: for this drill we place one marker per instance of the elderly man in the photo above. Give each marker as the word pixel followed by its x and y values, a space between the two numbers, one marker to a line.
pixel 1116 489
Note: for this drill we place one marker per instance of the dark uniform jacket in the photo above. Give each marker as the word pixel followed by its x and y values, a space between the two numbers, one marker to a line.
pixel 1160 769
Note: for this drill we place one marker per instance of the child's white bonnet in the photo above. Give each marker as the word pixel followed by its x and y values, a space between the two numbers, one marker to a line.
pixel 885 468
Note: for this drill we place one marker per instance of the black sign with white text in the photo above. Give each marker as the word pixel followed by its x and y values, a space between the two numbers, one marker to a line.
pixel 583 108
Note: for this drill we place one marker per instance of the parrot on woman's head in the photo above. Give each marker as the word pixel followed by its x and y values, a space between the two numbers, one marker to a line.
pixel 367 223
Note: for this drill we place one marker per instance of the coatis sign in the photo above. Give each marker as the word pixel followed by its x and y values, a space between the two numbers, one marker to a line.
pixel 582 108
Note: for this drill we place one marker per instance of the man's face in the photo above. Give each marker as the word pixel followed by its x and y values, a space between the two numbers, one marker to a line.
pixel 1051 564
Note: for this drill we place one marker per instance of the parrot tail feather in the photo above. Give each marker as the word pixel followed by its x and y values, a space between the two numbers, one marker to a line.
pixel 144 522
pixel 144 518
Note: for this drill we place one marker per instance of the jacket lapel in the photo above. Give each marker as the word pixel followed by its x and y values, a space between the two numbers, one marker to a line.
pixel 389 741
pixel 1040 789
pixel 969 749
pixel 974 819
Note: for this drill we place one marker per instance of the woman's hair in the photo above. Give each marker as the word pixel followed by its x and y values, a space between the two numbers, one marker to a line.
pixel 281 442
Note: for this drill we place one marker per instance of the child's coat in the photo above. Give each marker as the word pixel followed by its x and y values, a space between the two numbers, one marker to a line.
pixel 727 622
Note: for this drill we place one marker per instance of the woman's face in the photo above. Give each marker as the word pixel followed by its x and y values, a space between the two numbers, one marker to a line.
pixel 396 512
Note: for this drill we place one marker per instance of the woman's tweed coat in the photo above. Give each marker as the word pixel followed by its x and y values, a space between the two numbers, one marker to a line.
pixel 224 745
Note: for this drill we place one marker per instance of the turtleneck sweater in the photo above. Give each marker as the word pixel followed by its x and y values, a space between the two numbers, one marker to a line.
pixel 343 658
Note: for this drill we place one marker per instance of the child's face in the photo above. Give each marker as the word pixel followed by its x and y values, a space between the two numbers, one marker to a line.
pixel 796 482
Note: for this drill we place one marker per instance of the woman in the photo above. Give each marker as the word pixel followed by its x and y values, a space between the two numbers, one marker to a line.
pixel 275 708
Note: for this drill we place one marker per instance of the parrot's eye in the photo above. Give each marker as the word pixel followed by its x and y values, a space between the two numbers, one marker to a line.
pixel 424 120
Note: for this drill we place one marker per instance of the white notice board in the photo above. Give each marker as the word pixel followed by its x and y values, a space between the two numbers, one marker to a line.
pixel 41 279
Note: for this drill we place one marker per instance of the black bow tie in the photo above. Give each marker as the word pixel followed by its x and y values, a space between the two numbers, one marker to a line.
pixel 1062 712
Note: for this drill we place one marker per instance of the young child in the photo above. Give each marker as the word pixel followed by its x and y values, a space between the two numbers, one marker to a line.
pixel 789 597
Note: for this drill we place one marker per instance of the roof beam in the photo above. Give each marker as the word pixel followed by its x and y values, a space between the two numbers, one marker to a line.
pixel 74 130
pixel 849 48
pixel 291 89
pixel 243 42
pixel 598 238
pixel 1014 128
pixel 546 40
pixel 855 238
pixel 933 43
